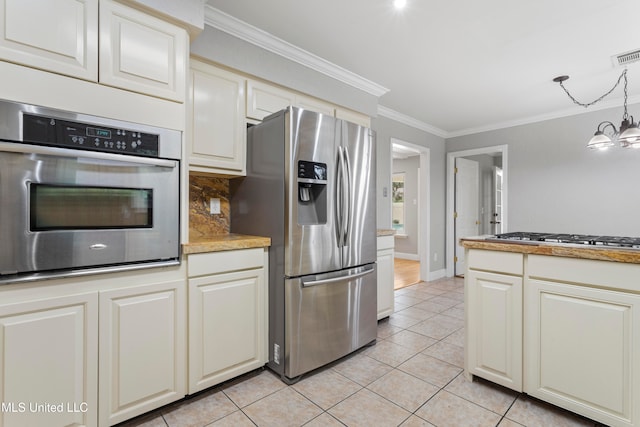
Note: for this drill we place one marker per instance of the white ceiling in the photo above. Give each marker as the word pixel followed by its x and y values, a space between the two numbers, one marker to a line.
pixel 462 66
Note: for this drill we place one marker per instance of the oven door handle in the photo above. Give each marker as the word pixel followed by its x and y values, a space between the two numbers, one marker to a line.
pixel 83 154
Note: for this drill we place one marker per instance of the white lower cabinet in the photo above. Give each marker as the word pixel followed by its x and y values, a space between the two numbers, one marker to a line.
pixel 385 276
pixel 564 330
pixel 582 348
pixel 49 362
pixel 142 349
pixel 228 323
pixel 494 327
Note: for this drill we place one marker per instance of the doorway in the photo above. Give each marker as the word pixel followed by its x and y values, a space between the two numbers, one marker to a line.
pixel 409 208
pixel 476 199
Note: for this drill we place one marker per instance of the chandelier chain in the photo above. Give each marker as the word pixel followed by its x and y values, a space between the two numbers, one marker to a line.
pixel 585 105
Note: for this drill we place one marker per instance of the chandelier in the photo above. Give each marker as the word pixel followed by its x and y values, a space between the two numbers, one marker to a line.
pixel 607 135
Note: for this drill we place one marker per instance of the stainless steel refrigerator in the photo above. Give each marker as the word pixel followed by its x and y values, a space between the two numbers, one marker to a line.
pixel 310 186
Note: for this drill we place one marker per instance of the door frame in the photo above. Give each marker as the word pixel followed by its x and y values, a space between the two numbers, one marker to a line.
pixel 424 202
pixel 450 202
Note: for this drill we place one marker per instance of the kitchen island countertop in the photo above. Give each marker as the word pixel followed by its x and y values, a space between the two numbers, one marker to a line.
pixel 224 242
pixel 601 253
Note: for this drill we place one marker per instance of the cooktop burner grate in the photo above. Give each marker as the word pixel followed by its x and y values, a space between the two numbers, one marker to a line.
pixel 583 239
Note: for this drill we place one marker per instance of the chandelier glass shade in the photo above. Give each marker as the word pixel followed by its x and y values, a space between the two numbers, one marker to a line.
pixel 627 135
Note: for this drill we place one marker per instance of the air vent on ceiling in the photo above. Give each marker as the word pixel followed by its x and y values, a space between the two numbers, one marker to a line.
pixel 626 58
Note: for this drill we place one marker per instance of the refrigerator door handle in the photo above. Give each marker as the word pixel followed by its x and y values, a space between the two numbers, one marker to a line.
pixel 339 202
pixel 336 279
pixel 347 192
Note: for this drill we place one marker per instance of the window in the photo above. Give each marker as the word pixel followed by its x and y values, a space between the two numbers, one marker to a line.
pixel 397 199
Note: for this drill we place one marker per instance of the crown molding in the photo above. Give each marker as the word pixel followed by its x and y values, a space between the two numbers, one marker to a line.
pixel 410 121
pixel 573 111
pixel 224 22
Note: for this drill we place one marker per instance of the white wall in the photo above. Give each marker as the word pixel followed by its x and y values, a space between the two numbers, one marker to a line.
pixel 386 129
pixel 557 185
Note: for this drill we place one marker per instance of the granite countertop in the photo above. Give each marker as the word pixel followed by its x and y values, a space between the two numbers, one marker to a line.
pixel 224 242
pixel 232 241
pixel 554 249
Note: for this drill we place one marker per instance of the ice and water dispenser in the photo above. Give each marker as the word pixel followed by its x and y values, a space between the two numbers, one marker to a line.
pixel 312 193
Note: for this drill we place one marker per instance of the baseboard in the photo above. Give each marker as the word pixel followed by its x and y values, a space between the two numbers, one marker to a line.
pixel 411 257
pixel 438 274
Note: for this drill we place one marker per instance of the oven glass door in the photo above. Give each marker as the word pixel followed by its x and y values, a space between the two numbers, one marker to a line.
pixel 66 207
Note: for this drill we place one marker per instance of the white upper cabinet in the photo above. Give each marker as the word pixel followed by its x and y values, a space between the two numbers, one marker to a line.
pixel 216 130
pixel 142 53
pixel 353 117
pixel 264 99
pixel 314 104
pixel 54 35
pixel 100 41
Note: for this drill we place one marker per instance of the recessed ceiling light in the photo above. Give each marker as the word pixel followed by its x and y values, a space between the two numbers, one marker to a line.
pixel 399 4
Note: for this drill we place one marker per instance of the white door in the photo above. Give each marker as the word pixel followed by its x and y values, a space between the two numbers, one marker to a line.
pixel 466 206
pixel 496 221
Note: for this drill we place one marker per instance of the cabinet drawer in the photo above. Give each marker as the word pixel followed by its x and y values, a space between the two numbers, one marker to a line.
pixel 220 262
pixel 386 242
pixel 503 262
pixel 617 275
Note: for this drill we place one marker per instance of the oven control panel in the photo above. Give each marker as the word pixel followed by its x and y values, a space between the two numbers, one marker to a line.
pixel 84 136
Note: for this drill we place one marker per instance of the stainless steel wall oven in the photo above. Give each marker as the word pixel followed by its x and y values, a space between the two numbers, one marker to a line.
pixel 84 194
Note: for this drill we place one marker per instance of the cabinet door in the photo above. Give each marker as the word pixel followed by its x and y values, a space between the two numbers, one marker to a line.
pixel 353 117
pixel 59 36
pixel 582 347
pixel 227 327
pixel 142 349
pixel 494 327
pixel 217 138
pixel 48 358
pixel 264 99
pixel 313 104
pixel 385 276
pixel 142 53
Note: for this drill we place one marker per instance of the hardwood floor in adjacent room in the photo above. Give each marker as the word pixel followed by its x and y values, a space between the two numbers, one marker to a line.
pixel 406 272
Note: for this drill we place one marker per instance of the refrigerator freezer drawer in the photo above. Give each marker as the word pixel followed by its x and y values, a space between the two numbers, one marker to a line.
pixel 328 316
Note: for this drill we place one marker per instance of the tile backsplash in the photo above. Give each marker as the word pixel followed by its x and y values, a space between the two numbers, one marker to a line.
pixel 201 190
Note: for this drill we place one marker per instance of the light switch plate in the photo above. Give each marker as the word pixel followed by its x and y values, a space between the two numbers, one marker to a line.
pixel 214 206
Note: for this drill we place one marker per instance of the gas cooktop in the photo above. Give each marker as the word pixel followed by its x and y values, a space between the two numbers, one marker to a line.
pixel 580 239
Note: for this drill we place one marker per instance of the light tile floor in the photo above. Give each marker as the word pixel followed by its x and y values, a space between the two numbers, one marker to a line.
pixel 411 377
